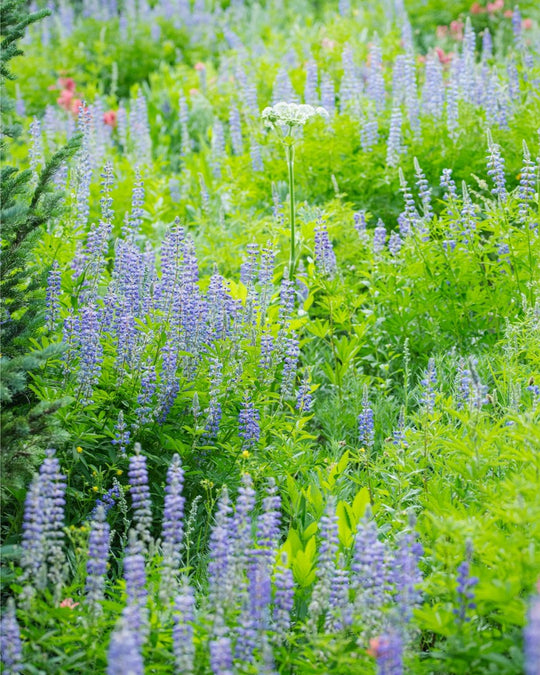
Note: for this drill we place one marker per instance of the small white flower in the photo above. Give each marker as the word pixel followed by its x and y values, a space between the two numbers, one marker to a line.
pixel 291 114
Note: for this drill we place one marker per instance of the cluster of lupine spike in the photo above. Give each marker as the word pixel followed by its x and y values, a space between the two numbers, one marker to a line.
pixel 409 98
pixel 251 594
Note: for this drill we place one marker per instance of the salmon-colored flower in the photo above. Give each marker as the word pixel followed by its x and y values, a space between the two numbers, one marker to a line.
pixel 374 646
pixel 441 32
pixel 68 602
pixel 443 58
pixel 327 43
pixel 527 24
pixel 200 66
pixel 109 118
pixel 493 7
pixel 67 83
pixel 476 8
pixel 65 99
pixel 456 29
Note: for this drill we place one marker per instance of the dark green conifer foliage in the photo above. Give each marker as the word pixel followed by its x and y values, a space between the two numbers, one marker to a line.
pixel 24 208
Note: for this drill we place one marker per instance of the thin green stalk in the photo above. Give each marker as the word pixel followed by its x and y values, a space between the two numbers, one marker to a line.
pixel 289 149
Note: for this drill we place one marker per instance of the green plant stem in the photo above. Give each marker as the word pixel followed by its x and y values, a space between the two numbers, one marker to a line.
pixel 289 150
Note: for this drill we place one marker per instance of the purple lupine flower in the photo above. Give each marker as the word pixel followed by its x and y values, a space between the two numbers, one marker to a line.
pixel 375 89
pixel 290 362
pixel 122 434
pixel 219 578
pixel 398 70
pixel 326 565
pixel 496 169
pixel 468 218
pixel 43 534
pixel 268 523
pixel 527 182
pixel 213 412
pixel 98 552
pixel 394 244
pixel 471 391
pixel 139 129
pixel 267 350
pixel 255 154
pixel 325 258
pixel 124 655
pixel 449 185
pixel 173 526
pixel 394 147
pixel 83 170
pixel 429 382
pixel 406 574
pixel 366 427
pixel 304 399
pixel 328 94
pixel 468 57
pixel 516 26
pixel 287 300
pixel 136 610
pixel 90 353
pixel 339 614
pixel 379 237
pixel 359 219
pixel 410 215
pixel 11 654
pixel 283 600
pixel 217 148
pixel 33 545
pixel 145 413
pixel 241 528
pixel 249 91
pixel 423 190
pixel 399 432
pixel 36 147
pixel 487 45
pixel 106 502
pixel 54 288
pixel 248 423
pixel 133 222
pixel 311 96
pixel 283 89
pixel 221 658
pixel 235 127
pixel 183 631
pixel 140 495
pixel 349 87
pixel 369 573
pixel 388 650
pixel 465 586
pixel 248 270
pixel 433 90
pixel 531 637
pixel 369 129
pixel 260 588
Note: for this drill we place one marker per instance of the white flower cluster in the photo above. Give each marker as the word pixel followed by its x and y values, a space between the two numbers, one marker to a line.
pixel 290 114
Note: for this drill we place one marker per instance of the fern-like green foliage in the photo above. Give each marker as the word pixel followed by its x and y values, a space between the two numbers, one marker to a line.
pixel 24 208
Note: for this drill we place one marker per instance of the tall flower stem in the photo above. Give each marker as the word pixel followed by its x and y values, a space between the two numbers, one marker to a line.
pixel 289 151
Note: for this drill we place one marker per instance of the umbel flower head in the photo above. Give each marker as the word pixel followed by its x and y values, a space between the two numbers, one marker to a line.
pixel 290 114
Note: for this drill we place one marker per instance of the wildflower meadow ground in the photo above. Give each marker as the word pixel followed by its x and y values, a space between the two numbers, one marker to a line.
pixel 270 323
